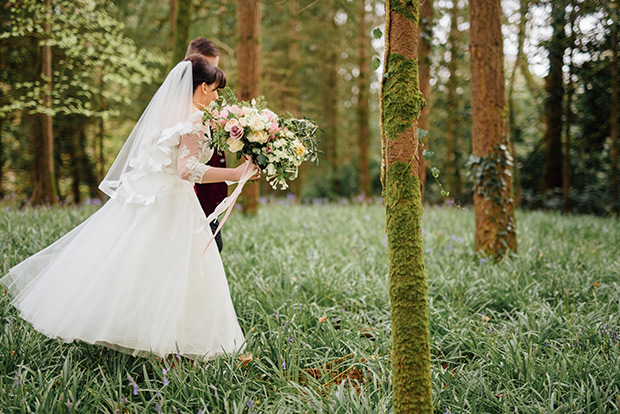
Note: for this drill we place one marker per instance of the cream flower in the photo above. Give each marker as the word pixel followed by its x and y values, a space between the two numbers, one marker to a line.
pixel 234 145
pixel 258 136
pixel 256 124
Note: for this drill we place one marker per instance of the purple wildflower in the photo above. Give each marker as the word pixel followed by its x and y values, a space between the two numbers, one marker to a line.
pixel 482 261
pixel 310 254
pixel 215 390
pixel 133 384
pixel 165 372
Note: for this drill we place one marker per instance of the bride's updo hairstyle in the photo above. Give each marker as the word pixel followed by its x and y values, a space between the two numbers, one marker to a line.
pixel 203 71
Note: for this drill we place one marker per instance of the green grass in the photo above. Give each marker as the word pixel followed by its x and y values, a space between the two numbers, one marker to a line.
pixel 536 333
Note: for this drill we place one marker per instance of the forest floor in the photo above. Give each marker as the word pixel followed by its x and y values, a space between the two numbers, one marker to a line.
pixel 536 333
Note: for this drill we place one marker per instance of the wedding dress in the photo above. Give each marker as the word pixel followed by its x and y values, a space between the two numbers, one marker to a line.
pixel 135 275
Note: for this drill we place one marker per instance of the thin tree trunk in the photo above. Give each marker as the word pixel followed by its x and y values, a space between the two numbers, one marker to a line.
pixel 493 198
pixel 552 166
pixel 293 101
pixel 88 167
pixel 36 132
pixel 568 119
pixel 182 16
pixel 74 159
pixel 424 60
pixel 248 24
pixel 613 122
pixel 401 104
pixel 362 103
pixel 331 106
pixel 512 126
pixel 172 19
pixel 451 168
pixel 49 181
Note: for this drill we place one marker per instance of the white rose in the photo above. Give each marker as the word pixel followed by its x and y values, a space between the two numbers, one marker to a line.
pixel 256 124
pixel 234 145
pixel 243 121
pixel 258 136
pixel 271 169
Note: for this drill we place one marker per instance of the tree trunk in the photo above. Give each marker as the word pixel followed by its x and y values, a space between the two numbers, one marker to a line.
pixel 424 60
pixel 182 16
pixel 513 130
pixel 331 104
pixel 552 166
pixel 248 24
pixel 48 180
pixel 401 103
pixel 613 121
pixel 74 159
pixel 493 198
pixel 451 168
pixel 362 103
pixel 568 119
pixel 292 98
pixel 172 19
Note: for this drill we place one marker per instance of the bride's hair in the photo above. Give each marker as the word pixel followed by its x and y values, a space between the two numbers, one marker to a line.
pixel 203 71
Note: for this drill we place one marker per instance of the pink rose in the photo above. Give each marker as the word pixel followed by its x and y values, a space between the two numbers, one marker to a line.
pixel 224 113
pixel 236 132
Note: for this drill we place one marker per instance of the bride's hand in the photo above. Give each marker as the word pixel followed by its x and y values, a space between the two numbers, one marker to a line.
pixel 251 167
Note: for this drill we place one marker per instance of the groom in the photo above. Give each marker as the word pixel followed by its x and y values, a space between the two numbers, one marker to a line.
pixel 210 195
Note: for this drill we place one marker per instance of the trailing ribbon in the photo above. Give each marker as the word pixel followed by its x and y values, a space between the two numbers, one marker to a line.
pixel 226 205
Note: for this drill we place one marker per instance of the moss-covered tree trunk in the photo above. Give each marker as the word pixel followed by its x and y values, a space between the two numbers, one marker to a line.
pixel 401 103
pixel 182 19
pixel 554 87
pixel 451 167
pixel 248 64
pixel 425 27
pixel 362 103
pixel 493 197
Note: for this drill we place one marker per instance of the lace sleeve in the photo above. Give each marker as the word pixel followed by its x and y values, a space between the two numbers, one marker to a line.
pixel 190 151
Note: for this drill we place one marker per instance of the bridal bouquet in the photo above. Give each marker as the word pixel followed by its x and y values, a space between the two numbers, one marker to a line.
pixel 277 145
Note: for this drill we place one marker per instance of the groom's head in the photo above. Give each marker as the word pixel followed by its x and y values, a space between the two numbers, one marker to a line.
pixel 204 47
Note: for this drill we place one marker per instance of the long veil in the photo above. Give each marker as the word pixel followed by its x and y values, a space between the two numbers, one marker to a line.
pixel 133 176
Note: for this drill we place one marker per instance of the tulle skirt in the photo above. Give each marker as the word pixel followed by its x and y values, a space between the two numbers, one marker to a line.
pixel 130 277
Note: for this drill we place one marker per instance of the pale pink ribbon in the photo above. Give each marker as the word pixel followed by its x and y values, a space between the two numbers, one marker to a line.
pixel 226 205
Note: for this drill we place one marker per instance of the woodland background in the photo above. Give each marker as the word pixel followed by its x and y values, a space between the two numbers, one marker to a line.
pixel 320 59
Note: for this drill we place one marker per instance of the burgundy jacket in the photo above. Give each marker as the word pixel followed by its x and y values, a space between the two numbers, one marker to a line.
pixel 210 195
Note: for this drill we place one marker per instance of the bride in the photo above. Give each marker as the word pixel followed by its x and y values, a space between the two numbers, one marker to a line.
pixel 135 276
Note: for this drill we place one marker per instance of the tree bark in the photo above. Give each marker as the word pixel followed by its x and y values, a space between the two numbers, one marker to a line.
pixel 248 24
pixel 451 168
pixel 613 122
pixel 48 180
pixel 493 197
pixel 182 17
pixel 425 28
pixel 362 103
pixel 292 98
pixel 401 103
pixel 554 87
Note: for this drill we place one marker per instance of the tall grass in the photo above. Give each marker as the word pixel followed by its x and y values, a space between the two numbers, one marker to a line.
pixel 536 333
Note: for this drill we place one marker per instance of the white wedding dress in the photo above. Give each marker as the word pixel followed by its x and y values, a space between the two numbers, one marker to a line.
pixel 133 276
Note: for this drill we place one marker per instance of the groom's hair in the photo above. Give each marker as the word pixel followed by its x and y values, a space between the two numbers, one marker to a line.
pixel 202 46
